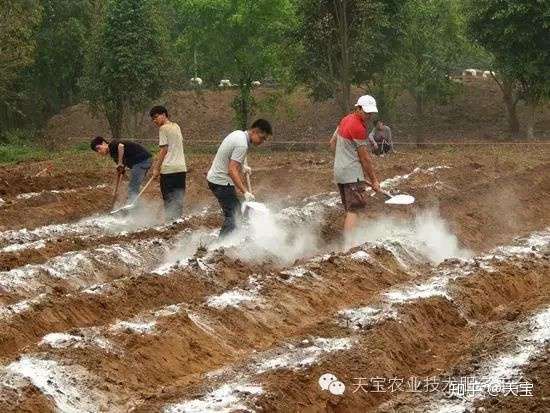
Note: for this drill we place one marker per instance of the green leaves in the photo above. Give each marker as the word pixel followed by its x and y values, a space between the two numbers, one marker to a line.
pixel 18 20
pixel 517 33
pixel 432 44
pixel 343 42
pixel 124 66
pixel 242 41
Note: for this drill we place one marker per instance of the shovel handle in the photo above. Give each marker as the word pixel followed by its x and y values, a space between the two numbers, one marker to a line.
pixel 248 184
pixel 143 189
pixel 385 193
pixel 119 178
pixel 247 176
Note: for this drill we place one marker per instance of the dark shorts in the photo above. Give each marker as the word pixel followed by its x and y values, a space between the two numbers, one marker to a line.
pixel 354 197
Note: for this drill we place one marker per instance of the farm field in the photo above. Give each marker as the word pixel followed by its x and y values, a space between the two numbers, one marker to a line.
pixel 100 313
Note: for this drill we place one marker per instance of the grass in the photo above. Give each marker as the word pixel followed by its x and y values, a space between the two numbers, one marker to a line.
pixel 20 146
pixel 15 152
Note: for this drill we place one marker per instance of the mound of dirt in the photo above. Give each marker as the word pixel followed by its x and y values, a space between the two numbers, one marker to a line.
pixel 477 112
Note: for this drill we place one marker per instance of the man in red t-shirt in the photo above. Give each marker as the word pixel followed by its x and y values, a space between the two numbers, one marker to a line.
pixel 352 161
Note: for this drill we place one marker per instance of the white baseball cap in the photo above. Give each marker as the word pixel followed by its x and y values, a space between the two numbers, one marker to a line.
pixel 367 103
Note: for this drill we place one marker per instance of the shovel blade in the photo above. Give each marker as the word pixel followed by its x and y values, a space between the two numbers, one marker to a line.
pixel 123 210
pixel 401 199
pixel 256 207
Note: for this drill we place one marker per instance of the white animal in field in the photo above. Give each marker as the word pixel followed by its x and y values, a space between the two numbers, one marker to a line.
pixel 469 72
pixel 453 79
pixel 256 83
pixel 488 73
pixel 197 81
pixel 225 83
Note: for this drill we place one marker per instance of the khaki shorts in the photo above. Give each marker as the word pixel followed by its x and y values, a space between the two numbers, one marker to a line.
pixel 354 197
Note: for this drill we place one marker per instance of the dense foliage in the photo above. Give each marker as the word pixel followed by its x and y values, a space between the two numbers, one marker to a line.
pixel 121 55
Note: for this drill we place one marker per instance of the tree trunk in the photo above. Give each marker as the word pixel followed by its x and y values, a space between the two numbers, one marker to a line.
pixel 420 114
pixel 340 8
pixel 242 104
pixel 513 121
pixel 531 119
pixel 115 116
pixel 419 106
pixel 346 95
pixel 510 101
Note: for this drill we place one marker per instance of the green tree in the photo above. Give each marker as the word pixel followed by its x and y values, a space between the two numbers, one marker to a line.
pixel 124 70
pixel 344 42
pixel 18 21
pixel 239 40
pixel 517 33
pixel 58 66
pixel 432 44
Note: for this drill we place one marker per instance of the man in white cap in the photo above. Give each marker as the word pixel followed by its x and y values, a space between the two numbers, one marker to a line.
pixel 352 161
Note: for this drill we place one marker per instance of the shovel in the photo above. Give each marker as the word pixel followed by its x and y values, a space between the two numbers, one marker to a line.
pixel 398 199
pixel 257 207
pixel 127 208
pixel 119 178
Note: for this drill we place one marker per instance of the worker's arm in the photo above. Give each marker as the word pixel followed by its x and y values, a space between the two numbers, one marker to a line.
pixel 234 171
pixel 120 153
pixel 332 141
pixel 366 163
pixel 389 137
pixel 372 140
pixel 120 159
pixel 160 159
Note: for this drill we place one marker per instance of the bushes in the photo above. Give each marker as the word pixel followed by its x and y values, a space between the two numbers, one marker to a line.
pixel 19 145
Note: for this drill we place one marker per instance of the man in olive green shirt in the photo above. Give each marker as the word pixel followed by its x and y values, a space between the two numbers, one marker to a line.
pixel 170 164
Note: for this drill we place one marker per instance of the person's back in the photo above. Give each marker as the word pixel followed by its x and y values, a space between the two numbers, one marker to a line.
pixel 233 147
pixel 126 154
pixel 170 165
pixel 134 153
pixel 351 134
pixel 174 161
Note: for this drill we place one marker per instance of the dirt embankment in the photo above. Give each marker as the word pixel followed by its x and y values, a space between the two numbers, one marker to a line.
pixel 477 112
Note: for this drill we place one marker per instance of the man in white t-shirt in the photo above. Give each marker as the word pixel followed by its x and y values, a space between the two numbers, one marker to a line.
pixel 224 176
pixel 170 164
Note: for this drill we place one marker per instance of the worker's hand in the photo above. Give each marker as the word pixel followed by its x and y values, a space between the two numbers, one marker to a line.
pixel 120 169
pixel 375 145
pixel 249 197
pixel 375 185
pixel 247 170
pixel 156 173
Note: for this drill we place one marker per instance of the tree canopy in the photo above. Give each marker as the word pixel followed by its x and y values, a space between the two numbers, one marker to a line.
pixel 242 41
pixel 121 55
pixel 18 22
pixel 343 42
pixel 517 33
pixel 125 62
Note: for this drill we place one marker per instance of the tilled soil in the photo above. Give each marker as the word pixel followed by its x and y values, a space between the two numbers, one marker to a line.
pixel 99 313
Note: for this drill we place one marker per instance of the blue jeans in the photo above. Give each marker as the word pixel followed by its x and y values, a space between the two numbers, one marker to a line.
pixel 230 205
pixel 139 171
